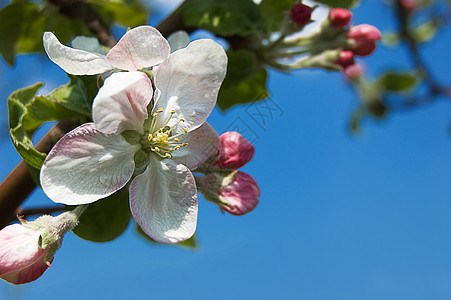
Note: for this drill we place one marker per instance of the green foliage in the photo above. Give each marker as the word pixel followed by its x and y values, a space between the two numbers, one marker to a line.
pixel 222 17
pixel 340 3
pixel 128 13
pixel 245 80
pixel 398 81
pixel 106 219
pixel 426 31
pixel 28 112
pixel 190 243
pixel 21 139
pixel 273 13
pixel 23 23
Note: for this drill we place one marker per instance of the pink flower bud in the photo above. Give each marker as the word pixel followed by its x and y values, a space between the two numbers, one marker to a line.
pixel 234 151
pixel 22 260
pixel 300 14
pixel 365 37
pixel 340 17
pixel 409 5
pixel 239 196
pixel 345 59
pixel 353 72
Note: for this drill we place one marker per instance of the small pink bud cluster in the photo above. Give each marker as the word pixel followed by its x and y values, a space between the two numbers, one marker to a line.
pixel 351 69
pixel 364 38
pixel 234 191
pixel 301 14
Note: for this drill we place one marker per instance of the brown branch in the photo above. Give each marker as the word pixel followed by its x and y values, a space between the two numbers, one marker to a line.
pixel 26 212
pixel 18 185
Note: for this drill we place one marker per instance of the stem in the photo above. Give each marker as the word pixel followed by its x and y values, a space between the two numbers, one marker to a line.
pixel 18 185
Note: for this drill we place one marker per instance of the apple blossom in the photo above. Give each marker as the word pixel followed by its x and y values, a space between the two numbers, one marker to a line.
pixel 345 59
pixel 234 192
pixel 97 159
pixel 27 249
pixel 301 14
pixel 234 151
pixel 340 17
pixel 364 37
pixel 140 47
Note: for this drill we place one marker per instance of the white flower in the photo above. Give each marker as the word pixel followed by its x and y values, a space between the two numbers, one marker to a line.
pixel 140 47
pixel 95 160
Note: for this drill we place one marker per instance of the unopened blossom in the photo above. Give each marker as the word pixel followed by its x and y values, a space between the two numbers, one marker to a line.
pixel 353 72
pixel 236 192
pixel 97 159
pixel 364 37
pixel 340 17
pixel 27 249
pixel 234 151
pixel 345 59
pixel 140 47
pixel 301 14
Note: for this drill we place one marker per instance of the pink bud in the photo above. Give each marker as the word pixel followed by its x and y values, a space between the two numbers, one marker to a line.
pixel 340 17
pixel 300 14
pixel 240 195
pixel 353 72
pixel 365 37
pixel 345 59
pixel 21 258
pixel 234 151
pixel 409 5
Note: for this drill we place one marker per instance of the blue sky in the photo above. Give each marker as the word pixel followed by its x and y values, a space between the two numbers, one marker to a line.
pixel 340 216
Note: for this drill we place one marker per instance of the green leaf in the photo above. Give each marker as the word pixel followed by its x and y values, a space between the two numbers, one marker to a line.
pixel 245 80
pixel 426 31
pixel 128 13
pixel 398 81
pixel 23 24
pixel 12 17
pixel 21 139
pixel 339 3
pixel 28 112
pixel 105 219
pixel 190 243
pixel 77 95
pixel 273 13
pixel 223 17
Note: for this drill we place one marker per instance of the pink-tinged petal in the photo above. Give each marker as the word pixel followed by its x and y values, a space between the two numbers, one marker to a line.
pixel 86 165
pixel 234 152
pixel 74 61
pixel 29 274
pixel 140 47
pixel 241 195
pixel 203 142
pixel 21 258
pixel 18 248
pixel 188 82
pixel 121 103
pixel 163 201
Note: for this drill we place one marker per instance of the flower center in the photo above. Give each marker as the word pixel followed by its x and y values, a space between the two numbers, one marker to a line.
pixel 161 141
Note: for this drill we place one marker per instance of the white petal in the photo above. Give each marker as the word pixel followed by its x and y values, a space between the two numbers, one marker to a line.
pixel 140 47
pixel 86 165
pixel 121 103
pixel 178 40
pixel 90 44
pixel 203 142
pixel 74 61
pixel 188 82
pixel 163 201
